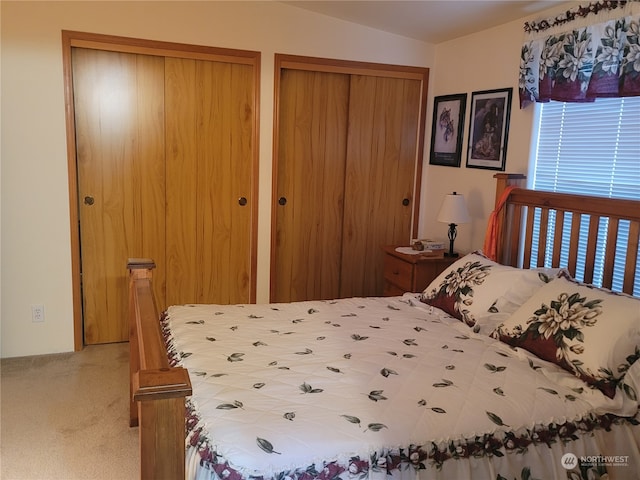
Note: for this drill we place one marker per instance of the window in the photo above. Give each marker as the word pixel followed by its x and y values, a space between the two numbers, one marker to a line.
pixel 589 148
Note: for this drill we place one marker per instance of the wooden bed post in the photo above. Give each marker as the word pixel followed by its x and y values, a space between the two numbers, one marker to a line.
pixel 138 269
pixel 157 390
pixel 504 180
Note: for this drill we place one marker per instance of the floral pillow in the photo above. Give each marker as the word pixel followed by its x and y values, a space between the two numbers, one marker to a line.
pixel 471 285
pixel 591 332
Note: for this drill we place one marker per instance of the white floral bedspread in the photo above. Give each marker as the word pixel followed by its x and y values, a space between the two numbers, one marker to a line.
pixel 284 387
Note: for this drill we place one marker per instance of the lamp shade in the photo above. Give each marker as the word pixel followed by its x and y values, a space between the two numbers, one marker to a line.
pixel 453 210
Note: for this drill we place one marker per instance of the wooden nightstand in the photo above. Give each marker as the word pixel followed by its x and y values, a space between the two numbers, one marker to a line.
pixel 410 273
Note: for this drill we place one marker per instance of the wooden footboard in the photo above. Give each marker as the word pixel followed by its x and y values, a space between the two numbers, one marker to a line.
pixel 157 390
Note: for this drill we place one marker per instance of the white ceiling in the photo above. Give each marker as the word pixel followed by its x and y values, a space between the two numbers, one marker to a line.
pixel 431 21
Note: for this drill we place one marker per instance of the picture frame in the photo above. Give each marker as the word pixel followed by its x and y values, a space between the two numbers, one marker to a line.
pixel 489 129
pixel 447 130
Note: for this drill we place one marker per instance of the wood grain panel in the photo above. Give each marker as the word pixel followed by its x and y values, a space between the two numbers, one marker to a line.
pixel 119 134
pixel 223 230
pixel 362 184
pixel 380 174
pixel 148 179
pixel 311 162
pixel 181 188
pixel 243 145
pixel 213 181
pixel 209 168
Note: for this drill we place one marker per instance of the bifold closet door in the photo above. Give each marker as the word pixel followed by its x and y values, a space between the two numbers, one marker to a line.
pixel 310 185
pixel 119 118
pixel 209 115
pixel 381 162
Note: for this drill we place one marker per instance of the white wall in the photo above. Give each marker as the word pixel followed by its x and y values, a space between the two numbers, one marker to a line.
pixel 35 240
pixel 485 61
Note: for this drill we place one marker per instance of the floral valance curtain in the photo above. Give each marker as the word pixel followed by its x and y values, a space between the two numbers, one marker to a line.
pixel 582 63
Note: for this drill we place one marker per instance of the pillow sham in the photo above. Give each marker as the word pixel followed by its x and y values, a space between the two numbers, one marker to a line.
pixel 591 332
pixel 467 289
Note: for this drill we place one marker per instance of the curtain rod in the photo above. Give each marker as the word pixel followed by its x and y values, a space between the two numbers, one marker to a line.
pixel 577 12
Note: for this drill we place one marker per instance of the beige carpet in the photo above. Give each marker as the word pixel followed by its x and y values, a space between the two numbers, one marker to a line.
pixel 66 416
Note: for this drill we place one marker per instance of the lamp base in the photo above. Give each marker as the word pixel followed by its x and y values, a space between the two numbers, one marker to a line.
pixel 452 236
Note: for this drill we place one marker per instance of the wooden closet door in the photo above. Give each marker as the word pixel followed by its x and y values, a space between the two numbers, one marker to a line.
pixel 119 118
pixel 210 114
pixel 310 185
pixel 380 177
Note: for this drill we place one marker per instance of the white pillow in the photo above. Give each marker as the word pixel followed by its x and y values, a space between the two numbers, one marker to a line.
pixel 470 286
pixel 522 290
pixel 591 332
pixel 524 287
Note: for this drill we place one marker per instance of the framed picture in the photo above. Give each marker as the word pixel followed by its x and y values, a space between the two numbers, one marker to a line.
pixel 489 129
pixel 447 128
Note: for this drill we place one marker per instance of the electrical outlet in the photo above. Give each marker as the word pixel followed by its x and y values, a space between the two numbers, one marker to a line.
pixel 37 313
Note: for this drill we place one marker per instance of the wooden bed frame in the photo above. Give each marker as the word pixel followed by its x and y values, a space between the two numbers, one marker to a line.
pixel 158 391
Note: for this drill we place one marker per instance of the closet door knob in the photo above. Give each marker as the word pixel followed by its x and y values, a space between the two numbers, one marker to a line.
pixel 406 202
pixel 282 200
pixel 88 200
pixel 242 201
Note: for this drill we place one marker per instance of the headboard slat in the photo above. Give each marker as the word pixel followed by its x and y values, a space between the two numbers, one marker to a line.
pixel 576 222
pixel 515 235
pixel 542 238
pixel 631 261
pixel 528 241
pixel 557 239
pixel 592 239
pixel 610 252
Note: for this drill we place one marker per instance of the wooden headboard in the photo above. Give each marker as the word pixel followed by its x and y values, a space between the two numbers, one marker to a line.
pixel 562 217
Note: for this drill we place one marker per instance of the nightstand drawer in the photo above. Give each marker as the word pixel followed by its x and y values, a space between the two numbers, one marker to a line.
pixel 405 272
pixel 398 272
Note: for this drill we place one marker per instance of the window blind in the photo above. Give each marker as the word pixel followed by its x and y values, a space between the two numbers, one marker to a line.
pixel 589 148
